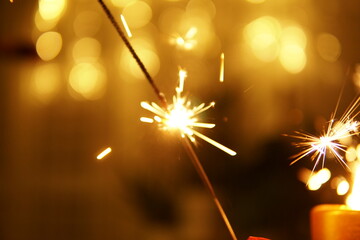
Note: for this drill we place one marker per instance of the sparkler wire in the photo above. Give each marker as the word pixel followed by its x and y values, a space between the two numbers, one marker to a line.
pixel 111 17
pixel 199 168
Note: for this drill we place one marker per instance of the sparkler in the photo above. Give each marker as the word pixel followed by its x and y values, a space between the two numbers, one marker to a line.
pixel 181 116
pixel 317 147
pixel 178 116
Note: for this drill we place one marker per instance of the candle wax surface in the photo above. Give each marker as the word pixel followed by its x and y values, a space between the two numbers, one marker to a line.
pixel 334 222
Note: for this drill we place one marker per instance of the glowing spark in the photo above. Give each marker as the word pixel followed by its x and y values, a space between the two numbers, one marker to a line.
pixel 187 42
pixel 182 117
pixel 222 58
pixel 317 147
pixel 103 153
pixel 127 29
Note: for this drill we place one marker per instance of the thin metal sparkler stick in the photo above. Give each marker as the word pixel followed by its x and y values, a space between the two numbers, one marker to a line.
pixel 110 16
pixel 201 172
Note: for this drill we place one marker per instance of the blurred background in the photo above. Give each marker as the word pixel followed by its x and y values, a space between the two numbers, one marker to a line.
pixel 70 89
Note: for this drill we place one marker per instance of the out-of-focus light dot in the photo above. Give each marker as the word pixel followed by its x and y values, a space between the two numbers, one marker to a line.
pixel 329 47
pixel 294 35
pixel 358 151
pixel 137 14
pixel 87 24
pixel 42 24
pixel 86 50
pixel 49 45
pixel 121 3
pixel 292 57
pixel 46 81
pixel 87 80
pixel 356 76
pixel 262 35
pixel 146 53
pixel 319 178
pixel 51 9
pixel 323 175
pixel 170 19
pixel 256 1
pixel 313 185
pixel 351 154
pixel 342 188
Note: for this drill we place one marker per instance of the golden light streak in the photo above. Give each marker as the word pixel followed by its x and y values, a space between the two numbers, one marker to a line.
pixel 146 120
pixel 316 147
pixel 222 59
pixel 181 116
pixel 353 200
pixel 127 29
pixel 104 153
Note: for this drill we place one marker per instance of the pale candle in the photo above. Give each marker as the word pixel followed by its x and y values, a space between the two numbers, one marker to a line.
pixel 334 222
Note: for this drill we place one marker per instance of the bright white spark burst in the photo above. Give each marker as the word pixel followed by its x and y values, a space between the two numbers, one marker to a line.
pixel 329 142
pixel 181 116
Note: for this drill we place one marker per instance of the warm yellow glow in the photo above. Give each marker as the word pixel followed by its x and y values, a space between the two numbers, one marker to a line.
pixel 87 23
pixel 222 59
pixel 147 55
pixel 137 14
pixel 204 9
pixel 127 29
pixel 187 42
pixel 353 200
pixel 292 57
pixel 42 24
pixel 104 153
pixel 182 117
pixel 87 80
pixel 47 80
pixel 293 35
pixel 262 35
pixel 256 1
pixel 342 188
pixel 51 9
pixel 121 3
pixel 329 47
pixel 317 179
pixel 86 50
pixel 49 45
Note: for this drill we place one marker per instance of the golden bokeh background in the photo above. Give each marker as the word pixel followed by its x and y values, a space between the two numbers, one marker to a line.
pixel 70 89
